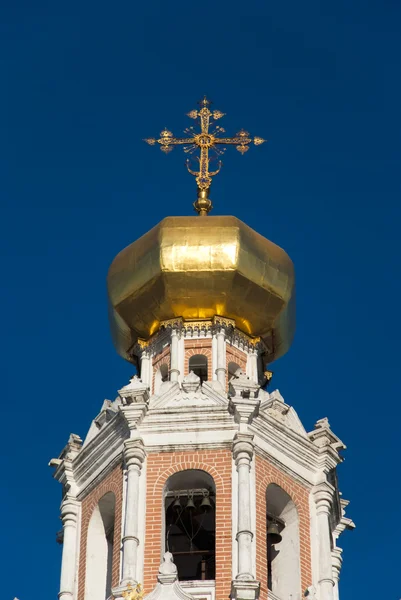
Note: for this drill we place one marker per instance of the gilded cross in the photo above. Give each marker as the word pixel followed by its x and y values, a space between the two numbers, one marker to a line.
pixel 205 141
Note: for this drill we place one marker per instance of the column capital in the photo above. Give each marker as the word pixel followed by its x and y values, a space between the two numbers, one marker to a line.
pixel 323 496
pixel 174 326
pixel 337 561
pixel 69 511
pixel 223 325
pixel 64 472
pixel 176 331
pixel 242 448
pixel 143 348
pixel 134 453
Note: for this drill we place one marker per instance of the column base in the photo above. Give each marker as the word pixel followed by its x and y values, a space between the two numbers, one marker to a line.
pixel 242 589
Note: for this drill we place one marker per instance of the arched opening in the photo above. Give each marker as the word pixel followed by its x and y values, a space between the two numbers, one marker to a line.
pixel 283 557
pixel 233 370
pixel 190 524
pixel 198 364
pixel 99 549
pixel 161 376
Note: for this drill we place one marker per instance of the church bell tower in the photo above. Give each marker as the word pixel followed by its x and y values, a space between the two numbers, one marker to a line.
pixel 199 481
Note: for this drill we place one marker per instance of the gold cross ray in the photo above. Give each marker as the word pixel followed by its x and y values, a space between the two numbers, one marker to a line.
pixel 205 142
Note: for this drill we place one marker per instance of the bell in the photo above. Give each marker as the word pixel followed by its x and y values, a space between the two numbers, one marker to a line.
pixel 273 534
pixel 177 504
pixel 190 504
pixel 206 504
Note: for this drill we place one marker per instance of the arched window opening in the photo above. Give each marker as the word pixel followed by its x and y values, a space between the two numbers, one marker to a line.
pixel 283 555
pixel 161 376
pixel 198 364
pixel 99 551
pixel 190 529
pixel 233 370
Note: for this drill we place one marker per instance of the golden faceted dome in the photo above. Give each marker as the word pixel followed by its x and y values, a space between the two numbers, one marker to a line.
pixel 196 268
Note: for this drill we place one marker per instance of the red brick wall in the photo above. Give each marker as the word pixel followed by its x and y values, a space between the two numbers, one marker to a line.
pixel 160 466
pixel 112 483
pixel 267 473
pixel 202 346
pixel 161 359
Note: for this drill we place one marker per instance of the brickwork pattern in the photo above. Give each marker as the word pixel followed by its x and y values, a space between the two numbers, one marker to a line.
pixel 160 466
pixel 267 473
pixel 113 482
pixel 194 347
pixel 161 359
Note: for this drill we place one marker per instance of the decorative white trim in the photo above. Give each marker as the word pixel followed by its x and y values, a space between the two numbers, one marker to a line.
pixel 181 358
pixel 234 517
pixel 142 521
pixel 70 517
pixel 314 536
pixel 252 478
pixel 293 451
pixel 214 356
pixel 200 589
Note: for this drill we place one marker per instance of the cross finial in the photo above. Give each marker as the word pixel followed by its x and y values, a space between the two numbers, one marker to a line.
pixel 204 142
pixel 204 102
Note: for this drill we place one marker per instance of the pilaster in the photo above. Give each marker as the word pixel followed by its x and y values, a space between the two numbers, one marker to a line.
pixel 146 364
pixel 323 495
pixel 244 585
pixel 221 369
pixel 337 563
pixel 69 516
pixel 174 353
pixel 252 364
pixel 134 456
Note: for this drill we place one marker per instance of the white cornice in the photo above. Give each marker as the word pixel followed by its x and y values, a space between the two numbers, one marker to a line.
pixel 300 475
pixel 188 446
pixel 288 448
pixel 101 454
pixel 188 418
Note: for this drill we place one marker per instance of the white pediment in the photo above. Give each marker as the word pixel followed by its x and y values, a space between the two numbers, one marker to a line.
pixel 107 412
pixel 273 406
pixel 191 393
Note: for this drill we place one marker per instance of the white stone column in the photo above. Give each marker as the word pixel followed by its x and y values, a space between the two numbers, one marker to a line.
pixel 243 452
pixel 69 516
pixel 146 370
pixel 323 499
pixel 134 455
pixel 174 355
pixel 336 562
pixel 253 364
pixel 221 357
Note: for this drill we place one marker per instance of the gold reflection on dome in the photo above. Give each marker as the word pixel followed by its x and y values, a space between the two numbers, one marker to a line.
pixel 198 268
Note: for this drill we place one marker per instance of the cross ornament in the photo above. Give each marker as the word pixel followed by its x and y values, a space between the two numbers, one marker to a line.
pixel 205 141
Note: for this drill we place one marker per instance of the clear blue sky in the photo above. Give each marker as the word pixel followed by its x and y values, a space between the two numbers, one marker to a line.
pixel 82 84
